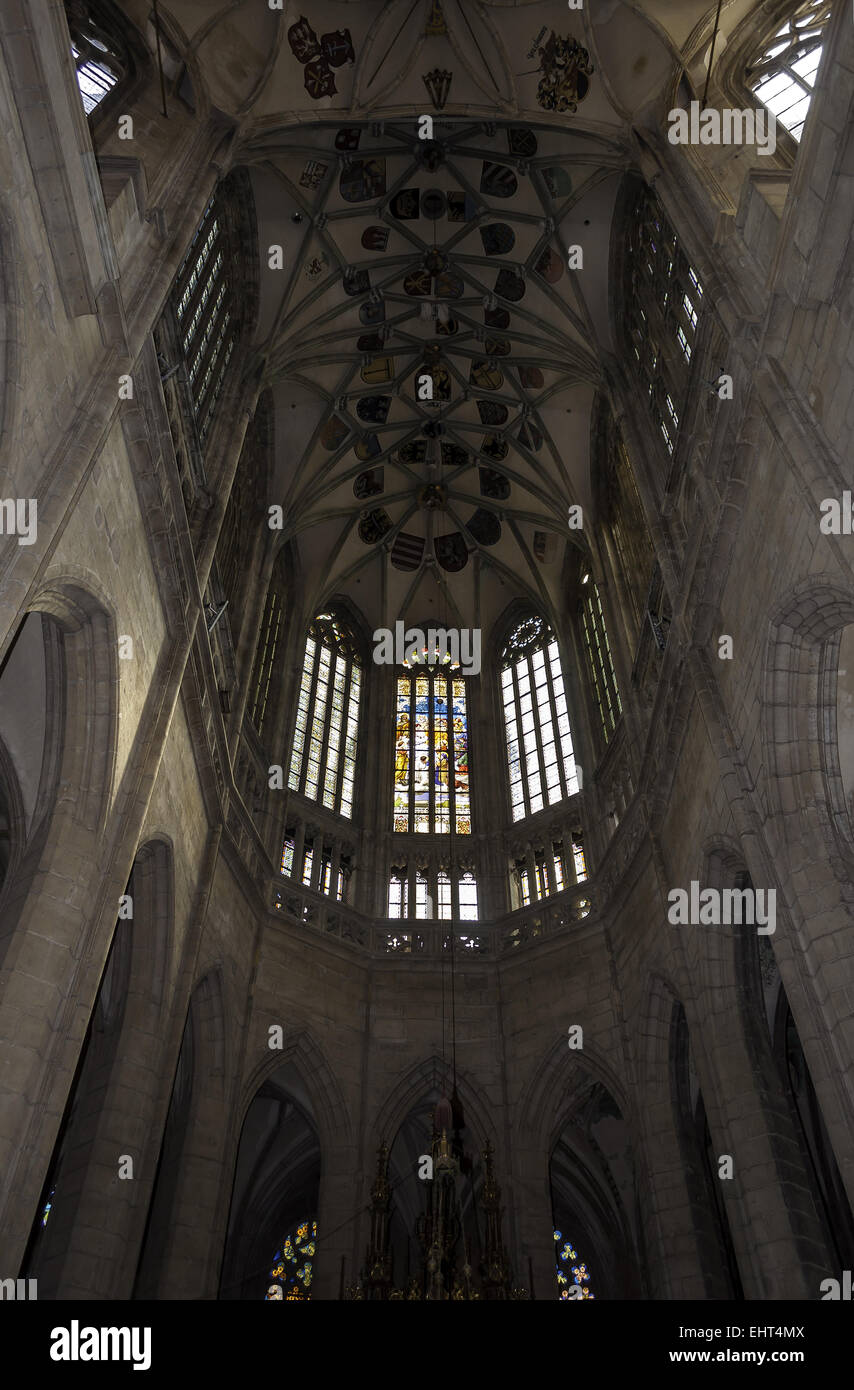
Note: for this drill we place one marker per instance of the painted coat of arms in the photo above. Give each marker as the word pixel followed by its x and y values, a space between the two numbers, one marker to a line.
pixel 320 56
pixel 566 70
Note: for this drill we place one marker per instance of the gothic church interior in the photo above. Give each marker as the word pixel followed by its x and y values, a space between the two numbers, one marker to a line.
pixel 425 579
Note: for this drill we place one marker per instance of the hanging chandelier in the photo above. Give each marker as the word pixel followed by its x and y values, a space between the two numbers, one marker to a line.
pixel 459 1260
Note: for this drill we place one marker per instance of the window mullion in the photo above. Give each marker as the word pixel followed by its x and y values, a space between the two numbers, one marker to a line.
pixel 213 320
pixel 210 355
pixel 199 288
pixel 431 751
pixel 452 756
pixel 342 733
pixel 523 752
pixel 535 707
pixel 309 720
pixel 558 737
pixel 327 725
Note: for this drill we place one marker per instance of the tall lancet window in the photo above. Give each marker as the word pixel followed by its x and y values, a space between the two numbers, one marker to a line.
pixel 540 759
pixel 207 311
pixel 664 300
pixel 783 77
pixel 431 762
pixel 323 757
pixel 599 657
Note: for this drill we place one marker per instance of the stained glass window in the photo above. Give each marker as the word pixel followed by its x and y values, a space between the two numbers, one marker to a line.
pixel 600 660
pixel 664 297
pixel 323 755
pixel 540 759
pixel 783 78
pixel 573 1276
pixel 48 1207
pixel 291 1272
pixel 431 764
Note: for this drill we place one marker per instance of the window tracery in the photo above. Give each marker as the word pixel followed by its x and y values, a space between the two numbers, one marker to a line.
pixel 540 758
pixel 101 57
pixel 783 77
pixel 323 755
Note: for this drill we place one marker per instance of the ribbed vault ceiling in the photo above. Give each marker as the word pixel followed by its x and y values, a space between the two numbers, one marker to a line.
pixel 444 261
pixel 446 257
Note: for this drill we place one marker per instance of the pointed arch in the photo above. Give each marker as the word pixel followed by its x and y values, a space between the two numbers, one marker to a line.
pixel 432 1073
pixel 326 732
pixel 328 1106
pixel 573 1111
pixel 540 758
pixel 196 1109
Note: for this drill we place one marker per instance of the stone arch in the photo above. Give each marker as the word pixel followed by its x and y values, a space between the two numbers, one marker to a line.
pixel 182 1220
pixel 715 1245
pixel 154 904
pixel 432 1073
pixel 581 1182
pixel 81 725
pixel 53 1240
pixel 48 902
pixel 329 1107
pixel 86 621
pixel 822 1226
pixel 721 865
pixel 810 835
pixel 277 1177
pixel 544 1099
pixel 112 1096
pixel 13 821
pixel 405 1122
pixel 669 1219
pixel 802 753
pixel 314 1090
